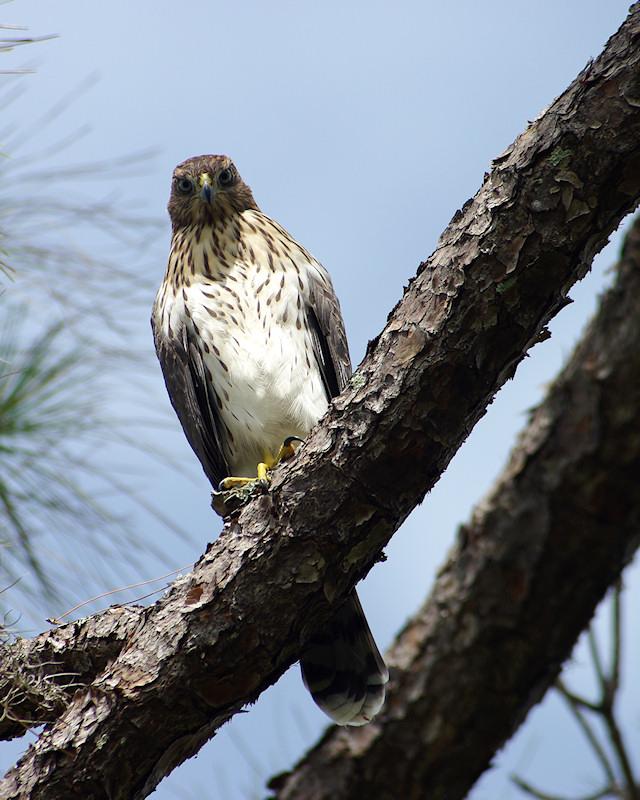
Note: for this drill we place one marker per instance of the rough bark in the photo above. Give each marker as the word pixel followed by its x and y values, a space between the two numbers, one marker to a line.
pixel 39 676
pixel 228 630
pixel 523 580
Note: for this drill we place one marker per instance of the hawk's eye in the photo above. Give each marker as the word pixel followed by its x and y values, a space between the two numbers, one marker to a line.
pixel 226 177
pixel 184 185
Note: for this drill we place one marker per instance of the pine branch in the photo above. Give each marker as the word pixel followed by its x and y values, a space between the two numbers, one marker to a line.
pixel 620 780
pixel 525 578
pixel 39 676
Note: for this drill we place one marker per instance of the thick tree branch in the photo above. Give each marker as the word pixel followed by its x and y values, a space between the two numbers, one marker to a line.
pixel 524 579
pixel 228 630
pixel 39 676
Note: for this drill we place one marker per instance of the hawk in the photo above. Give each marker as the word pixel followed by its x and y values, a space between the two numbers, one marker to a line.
pixel 251 341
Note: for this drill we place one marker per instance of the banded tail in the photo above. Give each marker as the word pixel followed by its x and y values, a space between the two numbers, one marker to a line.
pixel 343 669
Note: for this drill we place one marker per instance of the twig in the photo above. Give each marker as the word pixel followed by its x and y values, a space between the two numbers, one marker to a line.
pixel 58 620
pixel 609 687
pixel 609 683
pixel 574 704
pixel 616 640
pixel 531 790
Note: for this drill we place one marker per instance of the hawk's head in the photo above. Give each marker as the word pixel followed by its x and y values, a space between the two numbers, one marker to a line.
pixel 207 188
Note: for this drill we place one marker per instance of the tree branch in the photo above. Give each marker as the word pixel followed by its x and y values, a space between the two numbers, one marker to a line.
pixel 228 630
pixel 39 676
pixel 523 581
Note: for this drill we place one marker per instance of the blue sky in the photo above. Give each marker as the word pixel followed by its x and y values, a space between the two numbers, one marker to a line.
pixel 361 127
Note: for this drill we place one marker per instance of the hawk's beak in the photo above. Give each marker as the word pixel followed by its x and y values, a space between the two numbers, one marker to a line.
pixel 206 187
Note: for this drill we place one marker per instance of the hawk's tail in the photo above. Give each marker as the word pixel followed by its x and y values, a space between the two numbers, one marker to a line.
pixel 343 669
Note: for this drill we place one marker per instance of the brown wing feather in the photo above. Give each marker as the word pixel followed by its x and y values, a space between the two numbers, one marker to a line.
pixel 329 338
pixel 191 397
pixel 341 666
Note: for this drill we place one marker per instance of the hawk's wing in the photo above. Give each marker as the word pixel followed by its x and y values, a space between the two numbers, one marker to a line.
pixel 192 397
pixel 341 665
pixel 328 337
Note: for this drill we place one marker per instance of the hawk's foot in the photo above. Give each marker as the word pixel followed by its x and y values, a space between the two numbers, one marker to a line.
pixel 235 492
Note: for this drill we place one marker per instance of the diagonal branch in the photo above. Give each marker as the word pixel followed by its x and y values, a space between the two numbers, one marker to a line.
pixel 501 270
pixel 523 581
pixel 39 676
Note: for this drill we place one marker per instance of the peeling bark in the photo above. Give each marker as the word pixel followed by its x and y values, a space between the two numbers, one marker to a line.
pixel 229 629
pixel 521 584
pixel 39 676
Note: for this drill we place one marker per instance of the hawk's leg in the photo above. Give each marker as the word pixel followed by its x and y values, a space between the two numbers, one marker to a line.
pixel 286 451
pixel 235 491
pixel 233 481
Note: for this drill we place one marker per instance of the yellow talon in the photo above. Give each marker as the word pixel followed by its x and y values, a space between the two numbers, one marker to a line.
pixel 233 482
pixel 287 450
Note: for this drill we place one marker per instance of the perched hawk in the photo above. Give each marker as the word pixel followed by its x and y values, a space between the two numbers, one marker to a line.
pixel 252 346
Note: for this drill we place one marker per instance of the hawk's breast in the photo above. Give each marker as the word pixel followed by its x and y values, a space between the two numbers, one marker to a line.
pixel 251 327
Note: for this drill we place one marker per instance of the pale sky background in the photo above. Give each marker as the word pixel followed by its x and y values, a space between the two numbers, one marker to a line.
pixel 361 127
